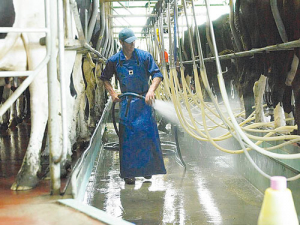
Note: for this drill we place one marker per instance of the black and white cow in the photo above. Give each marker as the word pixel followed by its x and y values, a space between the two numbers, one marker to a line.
pixel 23 51
pixel 256 26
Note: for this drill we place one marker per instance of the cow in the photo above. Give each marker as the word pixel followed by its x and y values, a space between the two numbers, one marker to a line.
pixel 19 109
pixel 257 27
pixel 225 46
pixel 24 51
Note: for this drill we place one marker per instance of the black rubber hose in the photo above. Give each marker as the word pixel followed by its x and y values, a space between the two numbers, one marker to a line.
pixel 142 97
pixel 113 107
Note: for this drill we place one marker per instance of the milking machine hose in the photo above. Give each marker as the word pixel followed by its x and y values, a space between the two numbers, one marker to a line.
pixel 109 146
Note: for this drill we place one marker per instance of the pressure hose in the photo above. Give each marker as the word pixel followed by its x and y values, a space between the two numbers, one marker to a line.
pixel 114 145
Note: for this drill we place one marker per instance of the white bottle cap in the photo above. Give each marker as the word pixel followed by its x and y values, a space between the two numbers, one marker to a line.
pixel 278 183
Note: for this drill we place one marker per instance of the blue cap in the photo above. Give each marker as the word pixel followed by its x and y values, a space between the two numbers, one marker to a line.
pixel 127 35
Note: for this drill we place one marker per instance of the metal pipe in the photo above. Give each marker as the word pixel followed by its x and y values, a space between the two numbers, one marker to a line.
pixel 107 49
pixel 15 73
pixel 177 33
pixel 189 33
pixel 61 74
pixel 232 27
pixel 198 40
pixel 171 59
pixel 31 74
pixel 278 20
pixel 131 26
pixel 80 30
pixel 122 18
pixel 134 15
pixel 103 50
pixel 160 29
pixel 23 30
pixel 288 46
pixel 127 1
pixel 156 41
pixel 93 20
pixel 16 94
pixel 111 45
pixel 125 8
pixel 89 48
pixel 77 22
pixel 53 116
pixel 68 20
pixel 102 27
pixel 85 23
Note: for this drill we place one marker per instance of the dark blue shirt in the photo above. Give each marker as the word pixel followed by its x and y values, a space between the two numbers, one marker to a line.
pixel 142 56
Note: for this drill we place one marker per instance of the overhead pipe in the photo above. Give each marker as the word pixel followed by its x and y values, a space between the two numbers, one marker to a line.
pixel 133 15
pixel 122 18
pixel 278 47
pixel 123 6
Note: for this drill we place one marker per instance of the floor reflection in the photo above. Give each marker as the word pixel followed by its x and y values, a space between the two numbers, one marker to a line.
pixel 200 195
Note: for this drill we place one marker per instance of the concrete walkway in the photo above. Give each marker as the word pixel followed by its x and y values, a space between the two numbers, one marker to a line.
pixel 209 192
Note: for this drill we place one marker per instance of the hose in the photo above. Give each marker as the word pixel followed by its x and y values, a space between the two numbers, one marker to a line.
pixel 188 103
pixel 114 104
pixel 112 146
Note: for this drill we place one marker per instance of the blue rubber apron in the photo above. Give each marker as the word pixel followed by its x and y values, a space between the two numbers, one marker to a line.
pixel 140 150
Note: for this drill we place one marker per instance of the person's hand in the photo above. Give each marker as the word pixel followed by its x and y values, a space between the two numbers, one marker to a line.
pixel 150 97
pixel 115 97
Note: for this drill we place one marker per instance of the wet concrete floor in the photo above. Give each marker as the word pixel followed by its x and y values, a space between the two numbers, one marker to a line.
pixel 34 206
pixel 209 192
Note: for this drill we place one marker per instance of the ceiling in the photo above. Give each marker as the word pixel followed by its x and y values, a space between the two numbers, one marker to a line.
pixel 134 14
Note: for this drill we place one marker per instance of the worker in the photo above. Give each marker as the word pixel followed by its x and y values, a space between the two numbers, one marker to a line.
pixel 140 150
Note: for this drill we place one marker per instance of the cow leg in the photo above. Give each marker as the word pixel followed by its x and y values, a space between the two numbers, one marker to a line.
pixel 27 175
pixel 71 120
pixel 248 96
pixel 6 116
pixel 287 104
pixel 296 90
pixel 258 90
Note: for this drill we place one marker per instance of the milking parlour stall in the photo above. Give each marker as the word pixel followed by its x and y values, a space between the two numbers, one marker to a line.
pixel 149 112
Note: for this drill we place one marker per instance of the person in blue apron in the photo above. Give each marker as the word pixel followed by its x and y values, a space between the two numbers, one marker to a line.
pixel 140 150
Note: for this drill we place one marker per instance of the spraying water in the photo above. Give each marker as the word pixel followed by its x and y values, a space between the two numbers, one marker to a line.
pixel 166 110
